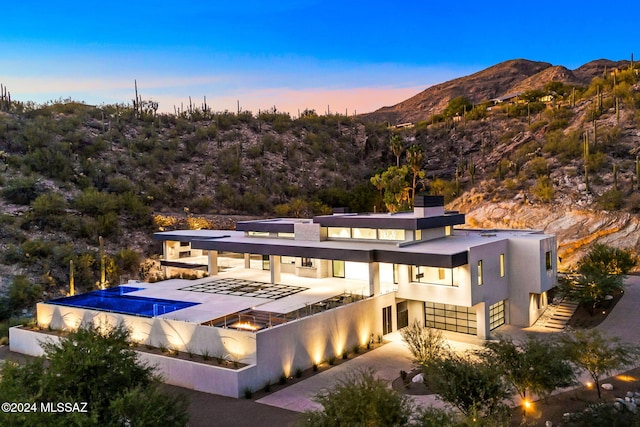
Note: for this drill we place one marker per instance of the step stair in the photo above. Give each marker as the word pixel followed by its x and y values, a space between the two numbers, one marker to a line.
pixel 557 316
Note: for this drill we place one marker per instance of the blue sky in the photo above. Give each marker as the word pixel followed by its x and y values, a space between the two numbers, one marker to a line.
pixel 349 55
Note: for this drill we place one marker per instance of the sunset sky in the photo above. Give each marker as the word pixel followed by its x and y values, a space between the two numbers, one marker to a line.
pixel 349 55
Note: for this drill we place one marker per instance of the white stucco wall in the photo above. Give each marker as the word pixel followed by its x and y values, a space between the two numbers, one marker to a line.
pixel 313 339
pixel 173 334
pixel 189 374
pixel 494 288
pixel 527 269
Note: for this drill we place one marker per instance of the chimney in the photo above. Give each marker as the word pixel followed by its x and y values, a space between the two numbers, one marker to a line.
pixel 428 206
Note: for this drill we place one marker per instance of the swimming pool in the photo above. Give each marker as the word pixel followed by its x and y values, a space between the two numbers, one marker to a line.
pixel 116 300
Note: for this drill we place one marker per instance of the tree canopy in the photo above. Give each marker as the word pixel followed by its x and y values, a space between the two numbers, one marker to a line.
pixel 531 367
pixel 361 400
pixel 470 385
pixel 600 272
pixel 591 351
pixel 95 365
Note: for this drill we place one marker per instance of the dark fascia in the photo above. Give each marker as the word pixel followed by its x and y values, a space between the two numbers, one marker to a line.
pixel 368 256
pixel 179 264
pixel 162 236
pixel 365 221
pixel 168 236
pixel 265 226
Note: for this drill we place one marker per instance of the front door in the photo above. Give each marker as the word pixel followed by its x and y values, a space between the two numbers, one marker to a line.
pixel 386 320
pixel 402 314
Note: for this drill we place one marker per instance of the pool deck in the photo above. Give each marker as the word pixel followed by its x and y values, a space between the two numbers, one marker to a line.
pixel 216 305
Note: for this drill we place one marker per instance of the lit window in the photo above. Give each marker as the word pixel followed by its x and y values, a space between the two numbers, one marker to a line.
pixel 338 268
pixel 418 235
pixel 479 272
pixel 390 234
pixel 258 233
pixel 286 235
pixel 364 233
pixel 339 232
pixel 448 230
pixel 441 274
pixel 501 265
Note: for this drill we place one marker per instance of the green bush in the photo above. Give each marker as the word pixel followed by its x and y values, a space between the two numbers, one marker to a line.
pixel 543 189
pixel 611 200
pixel 22 293
pixel 94 202
pixel 22 191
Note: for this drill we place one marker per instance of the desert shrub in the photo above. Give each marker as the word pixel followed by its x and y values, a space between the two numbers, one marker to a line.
pixel 537 167
pixel 597 161
pixel 537 125
pixel 255 151
pixel 21 294
pixel 22 191
pixel 564 147
pixel 46 210
pixel 94 202
pixel 611 200
pixel 138 214
pixel 543 189
pixel 201 204
pixel 120 184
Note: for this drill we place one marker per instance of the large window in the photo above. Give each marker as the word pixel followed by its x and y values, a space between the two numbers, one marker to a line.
pixel 432 275
pixel 287 260
pixel 307 262
pixel 501 265
pixel 338 268
pixel 258 233
pixel 390 234
pixel 450 318
pixel 364 233
pixel 480 277
pixel 339 232
pixel 496 315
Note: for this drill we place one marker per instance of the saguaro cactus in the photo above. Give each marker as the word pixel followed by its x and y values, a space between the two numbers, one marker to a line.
pixel 586 159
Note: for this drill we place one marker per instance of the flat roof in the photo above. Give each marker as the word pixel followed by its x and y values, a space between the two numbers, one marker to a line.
pixel 445 252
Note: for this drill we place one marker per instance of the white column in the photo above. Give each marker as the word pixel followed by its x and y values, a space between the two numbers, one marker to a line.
pixel 374 278
pixel 247 260
pixel 213 263
pixel 274 268
pixel 482 319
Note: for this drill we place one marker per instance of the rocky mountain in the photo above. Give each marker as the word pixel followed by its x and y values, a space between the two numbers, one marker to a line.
pixel 500 80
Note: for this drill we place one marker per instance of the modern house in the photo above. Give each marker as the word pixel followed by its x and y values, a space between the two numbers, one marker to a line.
pixel 283 294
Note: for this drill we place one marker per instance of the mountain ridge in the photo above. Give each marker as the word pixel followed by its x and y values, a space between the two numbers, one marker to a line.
pixel 505 78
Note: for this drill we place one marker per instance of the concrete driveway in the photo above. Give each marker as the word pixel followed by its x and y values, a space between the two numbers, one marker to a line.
pixel 390 359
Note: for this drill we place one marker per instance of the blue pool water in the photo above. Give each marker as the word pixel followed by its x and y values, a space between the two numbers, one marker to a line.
pixel 116 300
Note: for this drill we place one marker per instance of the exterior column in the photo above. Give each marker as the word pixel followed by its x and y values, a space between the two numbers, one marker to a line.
pixel 213 263
pixel 165 256
pixel 404 273
pixel 274 268
pixel 374 278
pixel 482 321
pixel 247 260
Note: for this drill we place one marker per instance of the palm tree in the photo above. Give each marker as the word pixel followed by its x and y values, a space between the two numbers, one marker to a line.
pixel 396 146
pixel 415 157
